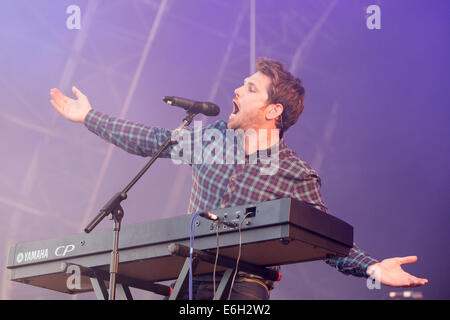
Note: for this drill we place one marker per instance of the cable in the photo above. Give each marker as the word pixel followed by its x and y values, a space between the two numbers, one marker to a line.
pixel 239 254
pixel 215 262
pixel 191 251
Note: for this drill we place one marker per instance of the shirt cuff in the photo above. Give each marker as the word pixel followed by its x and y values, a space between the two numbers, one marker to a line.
pixel 92 119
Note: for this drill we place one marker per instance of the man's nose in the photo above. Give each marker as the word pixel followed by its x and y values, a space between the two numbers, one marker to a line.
pixel 236 91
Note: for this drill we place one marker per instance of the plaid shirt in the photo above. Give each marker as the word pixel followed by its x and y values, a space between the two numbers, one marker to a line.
pixel 218 185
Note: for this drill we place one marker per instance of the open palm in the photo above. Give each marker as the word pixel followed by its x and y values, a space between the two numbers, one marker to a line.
pixel 71 109
pixel 389 272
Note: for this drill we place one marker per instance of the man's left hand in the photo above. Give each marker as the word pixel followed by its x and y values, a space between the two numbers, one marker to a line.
pixel 389 272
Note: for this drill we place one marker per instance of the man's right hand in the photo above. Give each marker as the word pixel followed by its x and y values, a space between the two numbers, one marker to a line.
pixel 73 110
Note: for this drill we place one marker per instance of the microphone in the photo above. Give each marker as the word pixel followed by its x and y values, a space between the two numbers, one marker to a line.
pixel 206 108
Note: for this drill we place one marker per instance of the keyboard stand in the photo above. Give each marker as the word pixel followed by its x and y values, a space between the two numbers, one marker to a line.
pixel 225 283
pixel 98 278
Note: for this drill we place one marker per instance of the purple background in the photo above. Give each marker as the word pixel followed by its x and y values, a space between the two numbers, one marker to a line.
pixel 375 124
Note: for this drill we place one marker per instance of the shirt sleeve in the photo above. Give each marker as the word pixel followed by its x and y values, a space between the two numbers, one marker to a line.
pixel 307 189
pixel 357 261
pixel 132 137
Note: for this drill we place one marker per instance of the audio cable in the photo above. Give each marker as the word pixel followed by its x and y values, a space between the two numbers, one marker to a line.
pixel 239 254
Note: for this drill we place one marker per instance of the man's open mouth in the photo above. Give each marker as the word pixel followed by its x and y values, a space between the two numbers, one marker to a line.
pixel 235 107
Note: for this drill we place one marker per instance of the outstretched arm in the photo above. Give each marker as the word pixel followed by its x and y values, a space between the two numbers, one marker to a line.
pixel 132 137
pixel 390 273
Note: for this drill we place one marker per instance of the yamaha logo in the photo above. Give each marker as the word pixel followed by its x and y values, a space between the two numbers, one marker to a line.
pixel 31 256
pixel 40 254
pixel 20 257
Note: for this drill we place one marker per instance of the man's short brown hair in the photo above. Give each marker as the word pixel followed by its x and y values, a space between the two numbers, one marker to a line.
pixel 285 89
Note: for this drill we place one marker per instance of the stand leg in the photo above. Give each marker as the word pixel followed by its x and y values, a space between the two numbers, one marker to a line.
pixel 183 279
pixel 99 288
pixel 224 286
pixel 123 292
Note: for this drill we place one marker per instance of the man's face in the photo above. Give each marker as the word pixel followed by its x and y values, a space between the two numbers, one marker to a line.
pixel 249 103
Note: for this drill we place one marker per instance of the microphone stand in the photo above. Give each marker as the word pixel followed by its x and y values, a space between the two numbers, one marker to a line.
pixel 114 208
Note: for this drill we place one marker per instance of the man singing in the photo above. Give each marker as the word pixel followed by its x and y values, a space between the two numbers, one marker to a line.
pixel 270 99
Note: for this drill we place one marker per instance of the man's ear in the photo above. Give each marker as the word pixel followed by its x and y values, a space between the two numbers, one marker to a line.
pixel 274 111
